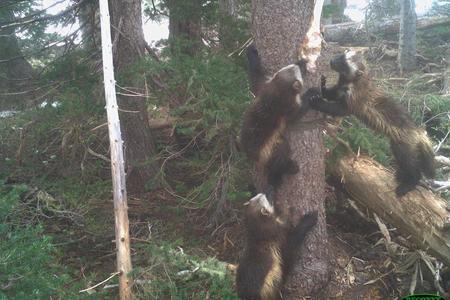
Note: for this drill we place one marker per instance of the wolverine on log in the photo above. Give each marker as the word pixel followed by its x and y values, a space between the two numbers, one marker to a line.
pixel 356 94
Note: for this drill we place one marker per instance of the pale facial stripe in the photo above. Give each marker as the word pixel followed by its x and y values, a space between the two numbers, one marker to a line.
pixel 287 72
pixel 348 57
pixel 261 199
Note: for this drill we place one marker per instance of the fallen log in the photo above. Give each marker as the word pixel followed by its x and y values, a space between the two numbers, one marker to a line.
pixel 419 216
pixel 353 32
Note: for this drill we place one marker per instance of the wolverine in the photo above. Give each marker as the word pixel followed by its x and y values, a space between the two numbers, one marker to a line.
pixel 356 94
pixel 279 100
pixel 270 252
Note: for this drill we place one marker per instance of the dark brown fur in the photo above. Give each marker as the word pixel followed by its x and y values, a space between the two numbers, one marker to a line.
pixel 277 102
pixel 356 94
pixel 269 252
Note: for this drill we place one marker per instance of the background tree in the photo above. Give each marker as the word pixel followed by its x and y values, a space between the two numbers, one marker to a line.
pixel 444 9
pixel 280 28
pixel 185 26
pixel 15 69
pixel 382 9
pixel 407 37
pixel 129 42
pixel 90 24
pixel 227 15
pixel 333 12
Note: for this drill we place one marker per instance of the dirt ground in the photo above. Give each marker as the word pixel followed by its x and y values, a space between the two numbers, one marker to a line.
pixel 359 266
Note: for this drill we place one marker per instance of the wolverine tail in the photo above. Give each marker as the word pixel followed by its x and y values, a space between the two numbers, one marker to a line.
pixel 408 170
pixel 414 156
pixel 426 157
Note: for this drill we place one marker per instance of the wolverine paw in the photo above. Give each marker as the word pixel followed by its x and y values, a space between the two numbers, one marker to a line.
pixel 292 168
pixel 403 189
pixel 312 95
pixel 323 82
pixel 310 219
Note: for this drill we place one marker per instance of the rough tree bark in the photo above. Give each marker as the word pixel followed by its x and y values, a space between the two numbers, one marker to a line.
pixel 185 26
pixel 128 39
pixel 420 215
pixel 407 38
pixel 279 28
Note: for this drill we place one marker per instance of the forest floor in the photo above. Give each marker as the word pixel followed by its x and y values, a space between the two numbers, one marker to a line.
pixel 362 264
pixel 360 267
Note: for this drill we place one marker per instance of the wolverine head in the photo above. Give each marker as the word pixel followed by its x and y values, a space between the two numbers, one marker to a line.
pixel 259 205
pixel 289 77
pixel 286 85
pixel 350 65
pixel 261 220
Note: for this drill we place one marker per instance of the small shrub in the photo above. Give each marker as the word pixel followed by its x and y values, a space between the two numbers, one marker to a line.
pixel 29 267
pixel 175 275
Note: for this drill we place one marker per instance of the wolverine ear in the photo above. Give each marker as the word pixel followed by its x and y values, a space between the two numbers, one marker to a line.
pixel 297 86
pixel 359 73
pixel 264 212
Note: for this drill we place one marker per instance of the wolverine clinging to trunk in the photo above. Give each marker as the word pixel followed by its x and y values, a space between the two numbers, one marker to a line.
pixel 279 100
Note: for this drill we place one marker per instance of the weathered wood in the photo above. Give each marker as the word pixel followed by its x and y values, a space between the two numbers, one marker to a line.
pixel 117 161
pixel 419 215
pixel 351 32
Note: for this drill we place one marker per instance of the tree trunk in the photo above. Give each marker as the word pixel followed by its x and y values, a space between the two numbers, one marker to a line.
pixel 17 69
pixel 227 15
pixel 333 11
pixel 227 7
pixel 128 39
pixel 446 86
pixel 407 38
pixel 122 232
pixel 280 28
pixel 185 26
pixel 90 24
pixel 11 56
pixel 420 215
pixel 382 9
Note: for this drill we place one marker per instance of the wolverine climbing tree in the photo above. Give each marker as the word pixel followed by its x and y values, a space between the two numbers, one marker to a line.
pixel 285 31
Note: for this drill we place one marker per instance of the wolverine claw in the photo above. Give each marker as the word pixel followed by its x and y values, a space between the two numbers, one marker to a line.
pixel 403 189
pixel 323 81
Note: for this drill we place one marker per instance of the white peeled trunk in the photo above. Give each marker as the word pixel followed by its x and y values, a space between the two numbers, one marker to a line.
pixel 117 161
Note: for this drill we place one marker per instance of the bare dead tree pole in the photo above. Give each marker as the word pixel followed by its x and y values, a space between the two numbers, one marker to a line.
pixel 117 161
